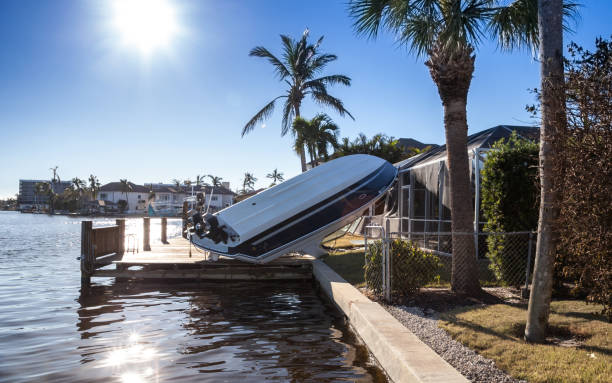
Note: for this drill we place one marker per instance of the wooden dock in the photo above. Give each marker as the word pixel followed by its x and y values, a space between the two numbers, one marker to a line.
pixel 171 259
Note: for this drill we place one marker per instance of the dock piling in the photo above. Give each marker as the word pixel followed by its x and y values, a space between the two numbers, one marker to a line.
pixel 185 208
pixel 120 236
pixel 146 242
pixel 86 252
pixel 164 230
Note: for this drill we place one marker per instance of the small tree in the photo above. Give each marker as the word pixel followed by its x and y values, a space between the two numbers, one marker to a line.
pixel 510 202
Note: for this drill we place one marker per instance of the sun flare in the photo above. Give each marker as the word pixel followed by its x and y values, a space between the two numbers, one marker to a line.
pixel 146 25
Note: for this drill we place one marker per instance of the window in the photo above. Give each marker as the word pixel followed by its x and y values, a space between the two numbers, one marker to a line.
pixel 139 196
pixel 214 198
pixel 102 195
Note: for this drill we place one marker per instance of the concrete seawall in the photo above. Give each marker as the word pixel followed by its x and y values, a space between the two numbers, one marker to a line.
pixel 398 351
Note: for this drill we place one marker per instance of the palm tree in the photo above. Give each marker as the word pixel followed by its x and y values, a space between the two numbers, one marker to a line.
pixel 248 184
pixel 315 135
pixel 215 181
pixel 301 63
pixel 126 187
pixel 200 180
pixel 447 32
pixel 41 188
pixel 79 186
pixel 275 176
pixel 326 133
pixel 177 183
pixel 550 13
pixel 55 178
pixel 94 185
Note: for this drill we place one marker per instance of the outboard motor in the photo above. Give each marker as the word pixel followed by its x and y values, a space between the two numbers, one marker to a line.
pixel 208 226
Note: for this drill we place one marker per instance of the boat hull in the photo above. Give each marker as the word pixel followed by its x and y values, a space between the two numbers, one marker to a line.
pixel 304 230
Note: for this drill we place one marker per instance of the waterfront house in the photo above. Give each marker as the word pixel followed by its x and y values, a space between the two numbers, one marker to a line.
pixel 136 198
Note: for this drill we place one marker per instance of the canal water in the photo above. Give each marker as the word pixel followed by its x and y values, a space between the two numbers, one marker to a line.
pixel 51 331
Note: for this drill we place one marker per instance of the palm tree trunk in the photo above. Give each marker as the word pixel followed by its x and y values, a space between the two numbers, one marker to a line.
pixel 550 24
pixel 452 73
pixel 303 151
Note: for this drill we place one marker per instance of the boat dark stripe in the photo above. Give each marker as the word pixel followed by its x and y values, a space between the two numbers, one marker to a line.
pixel 340 204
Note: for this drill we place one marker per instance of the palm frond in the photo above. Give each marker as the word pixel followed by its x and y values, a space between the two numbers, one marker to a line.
pixel 331 101
pixel 264 113
pixel 281 70
pixel 334 79
pixel 369 15
pixel 288 115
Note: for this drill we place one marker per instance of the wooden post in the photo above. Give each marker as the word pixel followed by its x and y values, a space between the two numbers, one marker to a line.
pixel 185 207
pixel 86 252
pixel 146 242
pixel 120 236
pixel 164 231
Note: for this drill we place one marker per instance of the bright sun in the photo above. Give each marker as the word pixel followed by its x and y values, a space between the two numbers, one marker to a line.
pixel 145 25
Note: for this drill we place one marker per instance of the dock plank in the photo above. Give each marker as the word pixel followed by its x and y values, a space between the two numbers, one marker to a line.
pixel 173 261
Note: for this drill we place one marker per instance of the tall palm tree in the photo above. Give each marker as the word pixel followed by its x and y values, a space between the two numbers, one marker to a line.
pixel 200 180
pixel 55 178
pixel 248 184
pixel 447 32
pixel 315 135
pixel 215 181
pixel 300 65
pixel 550 22
pixel 126 187
pixel 79 186
pixel 275 176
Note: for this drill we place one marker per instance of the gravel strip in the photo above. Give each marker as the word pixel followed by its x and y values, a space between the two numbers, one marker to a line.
pixel 471 365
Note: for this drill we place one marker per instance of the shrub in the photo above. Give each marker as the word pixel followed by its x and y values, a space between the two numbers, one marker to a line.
pixel 411 267
pixel 122 205
pixel 584 253
pixel 510 202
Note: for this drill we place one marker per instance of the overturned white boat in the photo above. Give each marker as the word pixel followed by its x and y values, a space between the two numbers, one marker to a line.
pixel 297 214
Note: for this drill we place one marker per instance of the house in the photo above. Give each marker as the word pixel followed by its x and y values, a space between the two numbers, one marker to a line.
pixel 219 197
pixel 423 189
pixel 168 195
pixel 136 197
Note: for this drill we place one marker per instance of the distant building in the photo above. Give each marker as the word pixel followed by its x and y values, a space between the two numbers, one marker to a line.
pixel 136 197
pixel 28 197
pixel 139 197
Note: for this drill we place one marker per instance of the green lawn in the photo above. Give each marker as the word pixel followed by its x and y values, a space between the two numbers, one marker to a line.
pixel 496 332
pixel 349 265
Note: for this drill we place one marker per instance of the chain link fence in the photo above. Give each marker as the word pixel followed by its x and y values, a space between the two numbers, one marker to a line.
pixel 397 264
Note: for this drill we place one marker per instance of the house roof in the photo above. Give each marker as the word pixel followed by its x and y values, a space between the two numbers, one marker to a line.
pixel 483 139
pixel 116 187
pixel 157 188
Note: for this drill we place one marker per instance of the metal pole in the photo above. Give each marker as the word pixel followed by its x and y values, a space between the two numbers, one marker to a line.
pixel 388 261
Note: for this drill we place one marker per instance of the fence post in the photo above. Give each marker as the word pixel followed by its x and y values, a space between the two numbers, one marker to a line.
pixel 120 236
pixel 387 234
pixel 164 230
pixel 525 290
pixel 86 252
pixel 146 243
pixel 185 207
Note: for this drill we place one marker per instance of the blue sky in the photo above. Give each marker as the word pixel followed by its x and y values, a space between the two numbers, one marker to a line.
pixel 73 95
